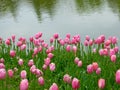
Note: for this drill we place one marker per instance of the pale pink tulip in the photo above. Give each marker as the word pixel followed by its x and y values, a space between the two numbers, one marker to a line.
pixel 54 87
pixel 23 47
pixel 98 71
pixel 41 81
pixel 76 60
pixel 2 73
pixel 44 66
pixel 10 73
pixel 52 66
pixel 101 83
pixel 74 49
pixel 30 63
pixel 79 64
pixel 23 74
pixel 67 78
pixel 24 84
pixel 68 48
pixel 2 65
pixel 47 61
pixel 50 55
pixel 20 62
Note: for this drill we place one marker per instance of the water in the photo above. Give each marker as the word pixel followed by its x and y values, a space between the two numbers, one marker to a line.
pixel 27 17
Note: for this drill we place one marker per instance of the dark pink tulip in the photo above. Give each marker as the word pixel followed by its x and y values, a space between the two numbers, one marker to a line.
pixel 30 63
pixel 31 39
pixel 56 36
pixel 113 58
pixel 52 66
pixel 86 43
pixel 23 74
pixel 51 40
pixel 50 55
pixel 41 81
pixel 54 87
pixel 76 60
pixel 68 35
pixel 101 83
pixel 75 83
pixel 79 64
pixel 68 48
pixel 87 38
pixel 20 62
pixel 24 84
pixel 38 35
pixel 7 42
pixel 13 38
pixel 95 66
pixel 12 53
pixel 114 40
pixel 98 71
pixel 2 73
pixel 90 68
pixel 117 78
pixel 47 61
pixel 67 78
pixel 10 73
pixel 2 65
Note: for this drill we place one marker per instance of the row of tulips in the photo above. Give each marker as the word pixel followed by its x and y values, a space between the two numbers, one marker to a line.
pixel 64 64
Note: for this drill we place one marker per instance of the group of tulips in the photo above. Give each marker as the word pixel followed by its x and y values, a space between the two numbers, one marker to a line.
pixel 11 49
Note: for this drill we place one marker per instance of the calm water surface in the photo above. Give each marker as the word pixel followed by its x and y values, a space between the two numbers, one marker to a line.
pixel 27 17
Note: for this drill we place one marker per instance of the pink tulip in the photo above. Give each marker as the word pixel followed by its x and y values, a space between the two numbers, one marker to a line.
pixel 68 48
pixel 95 66
pixel 44 66
pixel 90 68
pixel 33 69
pixel 23 47
pixel 79 64
pixel 107 43
pixel 62 42
pixel 24 84
pixel 68 35
pixel 50 55
pixel 23 74
pixel 67 78
pixel 54 87
pixel 41 81
pixel 86 43
pixel 51 40
pixel 19 43
pixel 112 52
pixel 91 42
pixel 76 60
pixel 52 66
pixel 75 83
pixel 7 42
pixel 94 50
pixel 2 65
pixel 13 38
pixel 30 63
pixel 2 60
pixel 38 72
pixel 117 78
pixel 15 69
pixel 12 53
pixel 56 36
pixel 87 38
pixel 113 58
pixel 20 62
pixel 114 40
pixel 98 71
pixel 35 51
pixel 116 49
pixel 47 61
pixel 31 39
pixel 101 52
pixel 10 73
pixel 101 83
pixel 74 49
pixel 2 73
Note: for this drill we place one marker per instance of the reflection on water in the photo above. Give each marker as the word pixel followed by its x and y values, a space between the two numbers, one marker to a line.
pixel 115 6
pixel 43 6
pixel 8 6
pixel 49 6
pixel 88 6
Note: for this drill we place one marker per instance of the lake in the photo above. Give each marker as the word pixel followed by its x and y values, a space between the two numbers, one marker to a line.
pixel 84 17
